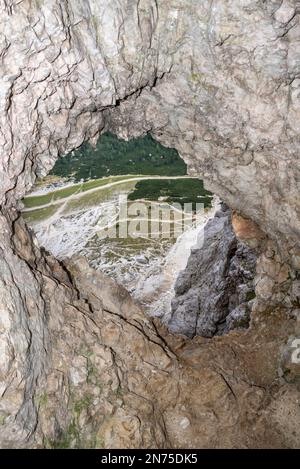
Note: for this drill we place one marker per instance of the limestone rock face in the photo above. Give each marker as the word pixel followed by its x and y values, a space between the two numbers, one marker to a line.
pixel 219 81
pixel 214 292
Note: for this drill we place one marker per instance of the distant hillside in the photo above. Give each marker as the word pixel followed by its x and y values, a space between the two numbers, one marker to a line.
pixel 116 157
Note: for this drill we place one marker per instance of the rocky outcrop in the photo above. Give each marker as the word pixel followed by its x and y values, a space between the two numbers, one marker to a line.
pixel 214 294
pixel 85 367
pixel 218 81
pixel 199 77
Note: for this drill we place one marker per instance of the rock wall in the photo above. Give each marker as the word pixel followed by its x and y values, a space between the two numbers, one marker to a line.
pixel 215 293
pixel 217 80
pixel 83 367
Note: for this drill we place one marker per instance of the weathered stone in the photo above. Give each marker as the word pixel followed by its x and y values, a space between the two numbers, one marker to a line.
pixel 219 82
pixel 213 293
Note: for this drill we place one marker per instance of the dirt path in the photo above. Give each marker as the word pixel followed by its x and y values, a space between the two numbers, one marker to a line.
pixel 79 194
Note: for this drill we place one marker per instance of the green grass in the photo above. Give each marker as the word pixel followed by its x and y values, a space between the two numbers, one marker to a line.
pixel 66 438
pixel 95 198
pixel 142 157
pixel 82 404
pixel 116 157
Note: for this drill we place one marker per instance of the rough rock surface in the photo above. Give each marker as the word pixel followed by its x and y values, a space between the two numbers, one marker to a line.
pixel 215 292
pixel 85 367
pixel 219 81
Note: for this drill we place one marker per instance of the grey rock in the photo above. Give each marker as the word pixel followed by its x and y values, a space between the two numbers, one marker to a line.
pixel 219 82
pixel 213 293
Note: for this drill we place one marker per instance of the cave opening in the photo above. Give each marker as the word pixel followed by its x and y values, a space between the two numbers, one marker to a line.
pixel 130 209
pixel 80 367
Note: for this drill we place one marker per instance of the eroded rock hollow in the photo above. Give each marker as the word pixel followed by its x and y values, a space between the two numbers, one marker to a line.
pixel 80 364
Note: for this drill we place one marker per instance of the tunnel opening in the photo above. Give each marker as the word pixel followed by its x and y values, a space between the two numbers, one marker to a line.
pixel 130 208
